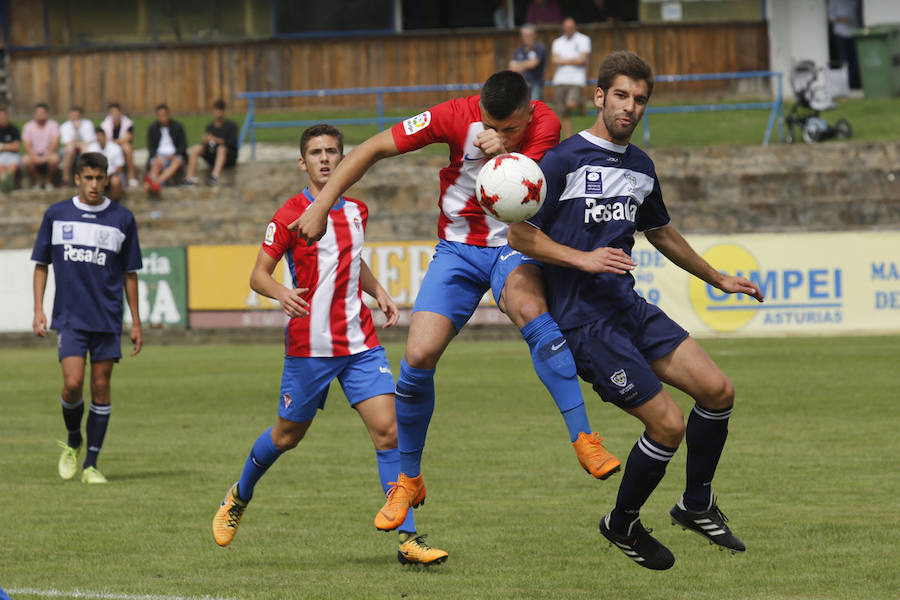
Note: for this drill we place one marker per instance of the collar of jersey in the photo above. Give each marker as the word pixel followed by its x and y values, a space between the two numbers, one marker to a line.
pixel 605 144
pixel 90 208
pixel 309 197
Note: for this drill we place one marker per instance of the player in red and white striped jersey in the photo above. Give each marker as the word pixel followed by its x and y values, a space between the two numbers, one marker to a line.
pixel 471 257
pixel 330 335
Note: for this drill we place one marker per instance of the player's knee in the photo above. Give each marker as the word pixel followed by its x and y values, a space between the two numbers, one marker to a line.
pixel 420 358
pixel 669 430
pixel 286 440
pixel 720 395
pixel 385 437
pixel 72 385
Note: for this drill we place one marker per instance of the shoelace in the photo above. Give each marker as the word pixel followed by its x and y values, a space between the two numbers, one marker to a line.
pixel 419 541
pixel 234 514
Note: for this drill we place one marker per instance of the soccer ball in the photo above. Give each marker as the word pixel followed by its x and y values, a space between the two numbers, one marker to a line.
pixel 510 187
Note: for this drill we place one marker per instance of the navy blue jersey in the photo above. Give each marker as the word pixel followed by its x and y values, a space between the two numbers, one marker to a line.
pixel 91 248
pixel 598 195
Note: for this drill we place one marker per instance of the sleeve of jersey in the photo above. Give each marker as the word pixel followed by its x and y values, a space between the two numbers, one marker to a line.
pixel 131 250
pixel 423 129
pixel 652 213
pixel 546 132
pixel 41 253
pixel 278 237
pixel 555 181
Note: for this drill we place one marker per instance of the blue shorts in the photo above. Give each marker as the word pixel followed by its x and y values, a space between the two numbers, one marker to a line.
pixel 614 353
pixel 460 274
pixel 305 381
pixel 76 342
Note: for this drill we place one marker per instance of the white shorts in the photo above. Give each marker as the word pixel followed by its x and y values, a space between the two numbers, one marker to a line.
pixel 9 159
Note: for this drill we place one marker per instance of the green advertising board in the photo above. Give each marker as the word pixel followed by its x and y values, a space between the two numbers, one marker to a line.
pixel 162 288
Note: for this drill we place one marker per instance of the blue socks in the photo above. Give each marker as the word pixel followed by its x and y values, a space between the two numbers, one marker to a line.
pixel 706 432
pixel 644 470
pixel 555 366
pixel 388 471
pixel 72 414
pixel 262 456
pixel 97 421
pixel 415 405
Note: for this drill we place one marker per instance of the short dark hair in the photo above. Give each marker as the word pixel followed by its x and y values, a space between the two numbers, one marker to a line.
pixel 321 129
pixel 42 105
pixel 504 93
pixel 76 108
pixel 93 160
pixel 219 104
pixel 624 62
pixel 100 130
pixel 161 106
pixel 113 105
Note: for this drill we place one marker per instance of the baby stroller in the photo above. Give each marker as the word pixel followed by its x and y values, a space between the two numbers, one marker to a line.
pixel 813 96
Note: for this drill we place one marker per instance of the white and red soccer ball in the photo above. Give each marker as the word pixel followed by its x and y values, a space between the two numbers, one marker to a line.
pixel 510 187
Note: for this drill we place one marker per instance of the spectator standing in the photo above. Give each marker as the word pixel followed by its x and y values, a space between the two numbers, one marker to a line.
pixel 529 59
pixel 219 147
pixel 10 140
pixel 120 130
pixel 843 15
pixel 41 139
pixel 167 145
pixel 115 171
pixel 74 135
pixel 571 52
pixel 543 12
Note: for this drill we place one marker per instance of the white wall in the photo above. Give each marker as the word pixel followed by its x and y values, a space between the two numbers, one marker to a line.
pixel 880 11
pixel 798 30
pixel 16 294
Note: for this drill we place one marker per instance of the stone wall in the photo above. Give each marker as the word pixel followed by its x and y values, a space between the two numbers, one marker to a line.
pixel 831 186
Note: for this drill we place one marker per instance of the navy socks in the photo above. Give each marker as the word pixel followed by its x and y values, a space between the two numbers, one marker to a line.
pixel 707 430
pixel 644 470
pixel 97 421
pixel 72 414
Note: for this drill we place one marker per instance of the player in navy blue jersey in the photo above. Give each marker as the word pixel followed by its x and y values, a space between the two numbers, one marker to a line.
pixel 93 246
pixel 600 190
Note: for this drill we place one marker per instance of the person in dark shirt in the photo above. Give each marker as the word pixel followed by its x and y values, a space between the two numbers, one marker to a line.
pixel 529 59
pixel 167 145
pixel 10 140
pixel 219 147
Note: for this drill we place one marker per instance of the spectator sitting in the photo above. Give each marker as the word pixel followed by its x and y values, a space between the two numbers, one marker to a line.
pixel 9 151
pixel 115 158
pixel 570 52
pixel 219 148
pixel 74 135
pixel 543 12
pixel 529 59
pixel 41 139
pixel 167 145
pixel 120 130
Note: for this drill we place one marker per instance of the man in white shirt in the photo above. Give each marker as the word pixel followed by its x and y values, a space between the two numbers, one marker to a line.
pixel 74 137
pixel 115 170
pixel 571 52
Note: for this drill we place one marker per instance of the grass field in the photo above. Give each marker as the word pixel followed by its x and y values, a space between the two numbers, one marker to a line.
pixel 808 479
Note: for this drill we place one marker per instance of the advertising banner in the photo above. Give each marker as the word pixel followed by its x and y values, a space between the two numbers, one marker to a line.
pixel 219 278
pixel 162 288
pixel 16 291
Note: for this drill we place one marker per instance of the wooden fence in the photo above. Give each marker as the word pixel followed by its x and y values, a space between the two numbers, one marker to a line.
pixel 189 77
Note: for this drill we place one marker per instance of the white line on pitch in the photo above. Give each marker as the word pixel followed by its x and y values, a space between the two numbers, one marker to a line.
pixel 102 595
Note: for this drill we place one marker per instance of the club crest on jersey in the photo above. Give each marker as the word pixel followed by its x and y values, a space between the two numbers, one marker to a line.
pixel 593 183
pixel 632 182
pixel 102 236
pixel 417 123
pixel 358 222
pixel 270 234
pixel 68 232
pixel 286 399
pixel 619 378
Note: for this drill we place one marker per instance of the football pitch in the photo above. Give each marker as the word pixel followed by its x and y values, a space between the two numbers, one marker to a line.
pixel 809 480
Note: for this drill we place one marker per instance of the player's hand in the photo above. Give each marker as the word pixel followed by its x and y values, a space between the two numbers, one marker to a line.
pixel 39 324
pixel 607 260
pixel 312 223
pixel 490 142
pixel 740 285
pixel 137 338
pixel 293 304
pixel 387 306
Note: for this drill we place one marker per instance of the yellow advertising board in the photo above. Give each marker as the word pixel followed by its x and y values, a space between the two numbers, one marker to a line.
pixel 219 278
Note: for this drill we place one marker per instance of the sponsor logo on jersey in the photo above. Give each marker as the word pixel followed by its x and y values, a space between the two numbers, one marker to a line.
pixel 507 255
pixel 87 255
pixel 621 209
pixel 286 399
pixel 270 234
pixel 417 123
pixel 593 183
pixel 88 216
pixel 68 232
pixel 384 369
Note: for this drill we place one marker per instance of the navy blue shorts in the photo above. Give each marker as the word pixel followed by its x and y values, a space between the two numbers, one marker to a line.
pixel 614 353
pixel 101 345
pixel 460 274
pixel 305 381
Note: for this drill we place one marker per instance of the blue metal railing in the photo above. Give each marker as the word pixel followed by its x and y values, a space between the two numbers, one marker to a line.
pixel 251 125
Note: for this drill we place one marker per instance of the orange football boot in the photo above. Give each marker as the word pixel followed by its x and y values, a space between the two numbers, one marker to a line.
pixel 406 492
pixel 594 457
pixel 228 517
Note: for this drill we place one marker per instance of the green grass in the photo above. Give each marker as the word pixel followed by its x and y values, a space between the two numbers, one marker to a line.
pixel 809 480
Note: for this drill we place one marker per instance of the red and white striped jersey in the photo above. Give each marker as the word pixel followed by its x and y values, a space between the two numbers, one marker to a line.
pixel 339 324
pixel 458 123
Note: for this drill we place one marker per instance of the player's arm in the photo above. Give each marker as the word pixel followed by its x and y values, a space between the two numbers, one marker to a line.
pixel 673 246
pixel 311 224
pixel 262 282
pixel 372 287
pixel 131 296
pixel 39 325
pixel 533 242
